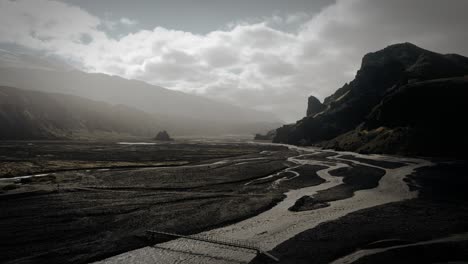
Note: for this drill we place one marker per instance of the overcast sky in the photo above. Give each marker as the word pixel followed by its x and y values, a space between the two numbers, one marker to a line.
pixel 265 54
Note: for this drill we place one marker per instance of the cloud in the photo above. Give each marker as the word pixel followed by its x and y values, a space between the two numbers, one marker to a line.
pixel 254 64
pixel 128 21
pixel 44 23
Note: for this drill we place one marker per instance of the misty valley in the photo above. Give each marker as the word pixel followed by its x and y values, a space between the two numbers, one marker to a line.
pixel 232 132
pixel 365 177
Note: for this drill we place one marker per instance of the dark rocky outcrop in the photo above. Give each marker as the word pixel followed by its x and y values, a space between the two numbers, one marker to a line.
pixel 404 100
pixel 268 136
pixel 422 118
pixel 314 106
pixel 163 136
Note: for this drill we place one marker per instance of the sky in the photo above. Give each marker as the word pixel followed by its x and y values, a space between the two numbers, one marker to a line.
pixel 268 55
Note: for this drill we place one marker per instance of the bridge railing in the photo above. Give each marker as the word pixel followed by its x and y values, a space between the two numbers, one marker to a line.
pixel 220 241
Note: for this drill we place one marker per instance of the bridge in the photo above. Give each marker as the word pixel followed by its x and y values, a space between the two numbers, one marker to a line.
pixel 225 242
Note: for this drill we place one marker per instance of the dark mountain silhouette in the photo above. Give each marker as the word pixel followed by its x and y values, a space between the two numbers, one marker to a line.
pixel 37 115
pixel 270 135
pixel 404 100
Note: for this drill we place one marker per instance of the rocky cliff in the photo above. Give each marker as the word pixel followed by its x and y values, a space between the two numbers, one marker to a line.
pixel 401 97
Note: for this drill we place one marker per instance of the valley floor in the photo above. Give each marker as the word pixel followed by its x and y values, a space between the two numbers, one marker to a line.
pixel 71 202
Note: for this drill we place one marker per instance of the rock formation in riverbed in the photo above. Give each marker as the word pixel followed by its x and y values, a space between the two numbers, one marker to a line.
pixel 268 136
pixel 163 136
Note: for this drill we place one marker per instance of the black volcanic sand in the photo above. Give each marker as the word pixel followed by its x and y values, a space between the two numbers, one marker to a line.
pixel 355 177
pixel 308 177
pixel 18 158
pixel 441 210
pixel 379 163
pixel 82 216
pixel 443 182
pixel 78 227
pixel 319 156
pixel 440 252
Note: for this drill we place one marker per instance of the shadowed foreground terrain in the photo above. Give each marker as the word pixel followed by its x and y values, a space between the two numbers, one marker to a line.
pixel 79 202
pixel 83 212
pixel 364 201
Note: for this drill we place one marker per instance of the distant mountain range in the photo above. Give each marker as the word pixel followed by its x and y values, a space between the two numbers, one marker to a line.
pixel 37 115
pixel 403 100
pixel 154 107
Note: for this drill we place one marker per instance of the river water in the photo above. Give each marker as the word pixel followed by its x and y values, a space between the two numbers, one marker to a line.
pixel 272 227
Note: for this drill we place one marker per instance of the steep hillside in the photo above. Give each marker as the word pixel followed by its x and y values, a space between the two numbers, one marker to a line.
pixel 37 115
pixel 392 92
pixel 186 114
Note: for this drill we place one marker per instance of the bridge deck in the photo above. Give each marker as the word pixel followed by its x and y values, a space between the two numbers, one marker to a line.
pixel 225 242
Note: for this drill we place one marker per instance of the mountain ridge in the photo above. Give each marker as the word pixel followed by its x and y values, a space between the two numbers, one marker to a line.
pixel 37 115
pixel 382 74
pixel 181 113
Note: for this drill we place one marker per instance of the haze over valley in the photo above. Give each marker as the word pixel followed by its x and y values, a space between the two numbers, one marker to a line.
pixel 164 108
pixel 266 131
